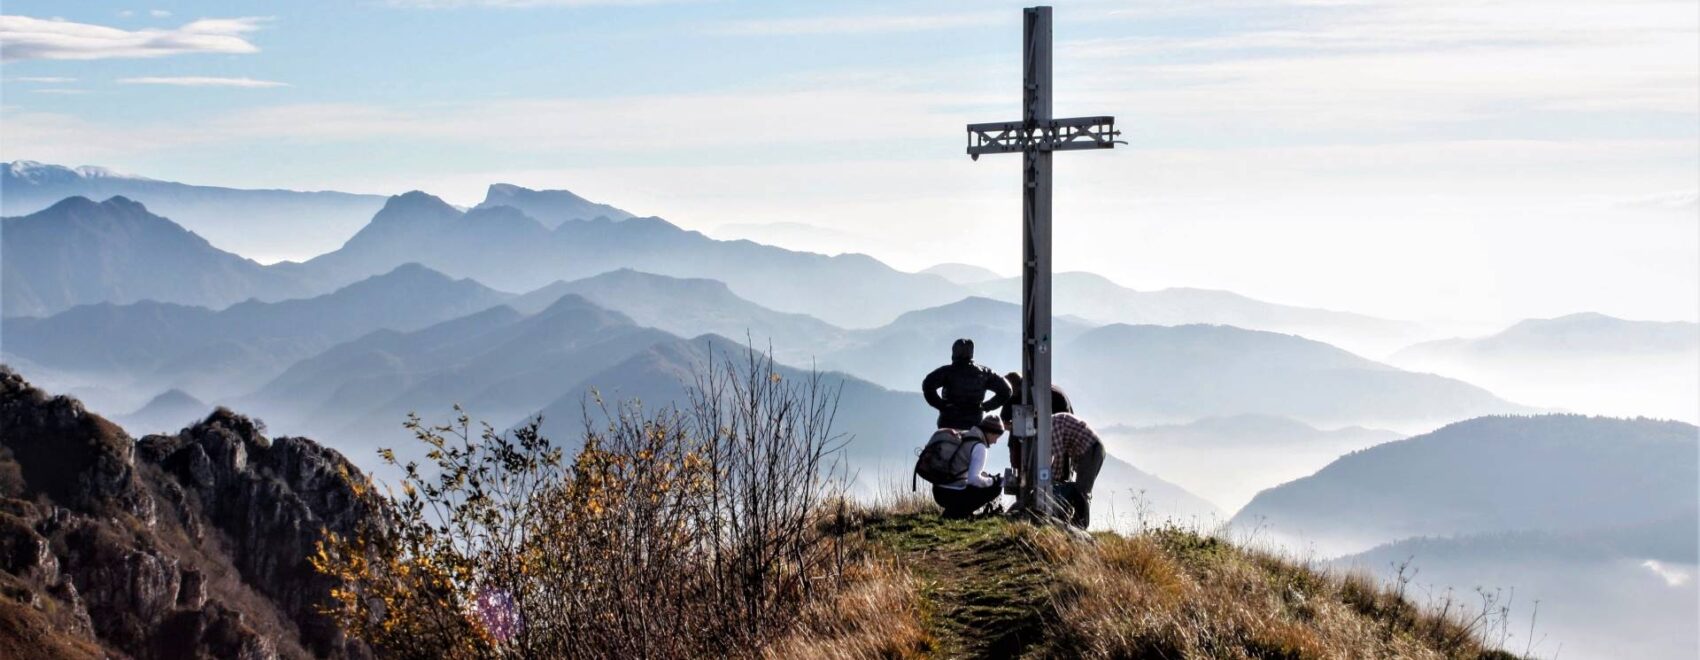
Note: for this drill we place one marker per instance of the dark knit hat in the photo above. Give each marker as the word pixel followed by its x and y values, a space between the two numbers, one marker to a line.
pixel 962 350
pixel 991 424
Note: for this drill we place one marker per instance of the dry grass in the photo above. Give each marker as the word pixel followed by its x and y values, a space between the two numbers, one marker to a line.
pixel 929 587
pixel 1171 593
pixel 878 612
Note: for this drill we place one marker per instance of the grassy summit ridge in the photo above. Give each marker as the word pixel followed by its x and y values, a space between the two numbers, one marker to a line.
pixel 929 587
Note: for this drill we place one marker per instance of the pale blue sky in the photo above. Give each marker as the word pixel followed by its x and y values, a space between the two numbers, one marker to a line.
pixel 1448 161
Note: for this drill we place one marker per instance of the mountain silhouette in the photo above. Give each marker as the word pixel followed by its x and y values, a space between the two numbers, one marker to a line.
pixel 1580 363
pixel 691 306
pixel 1557 473
pixel 1229 459
pixel 898 354
pixel 80 252
pixel 1099 300
pixel 238 347
pixel 1161 374
pixel 171 411
pixel 966 274
pixel 500 364
pixel 505 249
pixel 1580 335
pixel 550 207
pixel 262 224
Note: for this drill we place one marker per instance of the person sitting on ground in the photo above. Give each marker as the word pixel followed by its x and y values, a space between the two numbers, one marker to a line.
pixel 958 390
pixel 1059 404
pixel 974 489
pixel 1073 441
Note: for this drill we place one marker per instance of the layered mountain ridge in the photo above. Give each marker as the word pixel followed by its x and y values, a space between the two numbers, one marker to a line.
pixel 262 224
pixel 79 252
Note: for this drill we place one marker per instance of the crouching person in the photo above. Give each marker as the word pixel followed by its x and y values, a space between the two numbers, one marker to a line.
pixel 955 462
pixel 1074 443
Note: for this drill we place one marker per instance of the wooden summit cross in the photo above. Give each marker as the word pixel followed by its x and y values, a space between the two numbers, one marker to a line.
pixel 1035 137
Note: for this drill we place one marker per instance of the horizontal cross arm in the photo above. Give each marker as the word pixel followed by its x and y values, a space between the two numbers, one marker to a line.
pixel 1052 135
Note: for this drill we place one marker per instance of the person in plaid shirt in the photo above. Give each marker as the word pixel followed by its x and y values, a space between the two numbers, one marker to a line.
pixel 1072 440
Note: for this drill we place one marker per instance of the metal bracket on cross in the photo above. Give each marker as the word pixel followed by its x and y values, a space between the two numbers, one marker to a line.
pixel 1054 135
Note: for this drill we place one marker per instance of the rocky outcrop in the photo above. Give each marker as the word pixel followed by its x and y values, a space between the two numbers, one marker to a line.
pixel 188 545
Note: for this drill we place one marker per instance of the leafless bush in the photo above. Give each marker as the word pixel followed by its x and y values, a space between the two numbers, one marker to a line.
pixel 775 463
pixel 671 533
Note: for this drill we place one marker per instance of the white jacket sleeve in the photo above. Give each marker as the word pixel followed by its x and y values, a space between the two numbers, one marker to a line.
pixel 976 466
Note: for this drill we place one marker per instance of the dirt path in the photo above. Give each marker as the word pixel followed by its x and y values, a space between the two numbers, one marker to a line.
pixel 988 594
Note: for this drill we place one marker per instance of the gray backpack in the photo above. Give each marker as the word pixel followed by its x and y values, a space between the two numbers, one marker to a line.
pixel 946 457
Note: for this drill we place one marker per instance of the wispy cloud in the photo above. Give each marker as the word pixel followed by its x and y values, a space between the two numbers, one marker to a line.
pixel 865 24
pixel 201 81
pixel 43 79
pixel 1673 576
pixel 158 13
pixel 520 4
pixel 62 91
pixel 613 128
pixel 1682 200
pixel 27 38
pixel 1332 69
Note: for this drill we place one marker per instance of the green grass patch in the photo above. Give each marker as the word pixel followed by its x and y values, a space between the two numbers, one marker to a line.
pixel 988 591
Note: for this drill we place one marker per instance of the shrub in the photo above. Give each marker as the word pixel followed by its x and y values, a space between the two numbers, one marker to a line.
pixel 670 533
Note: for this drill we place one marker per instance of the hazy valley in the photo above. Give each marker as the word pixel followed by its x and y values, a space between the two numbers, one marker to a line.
pixel 1359 440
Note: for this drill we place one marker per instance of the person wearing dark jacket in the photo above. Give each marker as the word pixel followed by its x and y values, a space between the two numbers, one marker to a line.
pixel 1059 404
pixel 958 390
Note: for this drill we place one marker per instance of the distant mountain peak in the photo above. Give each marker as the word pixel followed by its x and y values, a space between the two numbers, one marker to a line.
pixel 633 275
pixel 505 215
pixel 1088 276
pixel 411 271
pixel 407 211
pixel 122 202
pixel 503 191
pixel 169 400
pixel 412 268
pixel 74 202
pixel 1586 316
pixel 1573 335
pixel 970 307
pixel 266 225
pixel 415 201
pixel 410 280
pixel 649 221
pixel 1588 321
pixel 39 172
pixel 1569 320
pixel 963 273
pixel 572 303
pixel 175 395
pixel 550 207
pixel 116 206
pixel 96 172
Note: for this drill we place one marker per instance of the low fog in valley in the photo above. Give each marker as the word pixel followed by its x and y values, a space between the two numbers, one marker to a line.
pixel 1400 290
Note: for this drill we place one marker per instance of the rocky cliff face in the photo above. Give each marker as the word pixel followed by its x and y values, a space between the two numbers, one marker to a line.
pixel 189 545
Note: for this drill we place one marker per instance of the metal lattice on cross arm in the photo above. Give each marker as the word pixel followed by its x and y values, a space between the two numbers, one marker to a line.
pixel 1054 135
